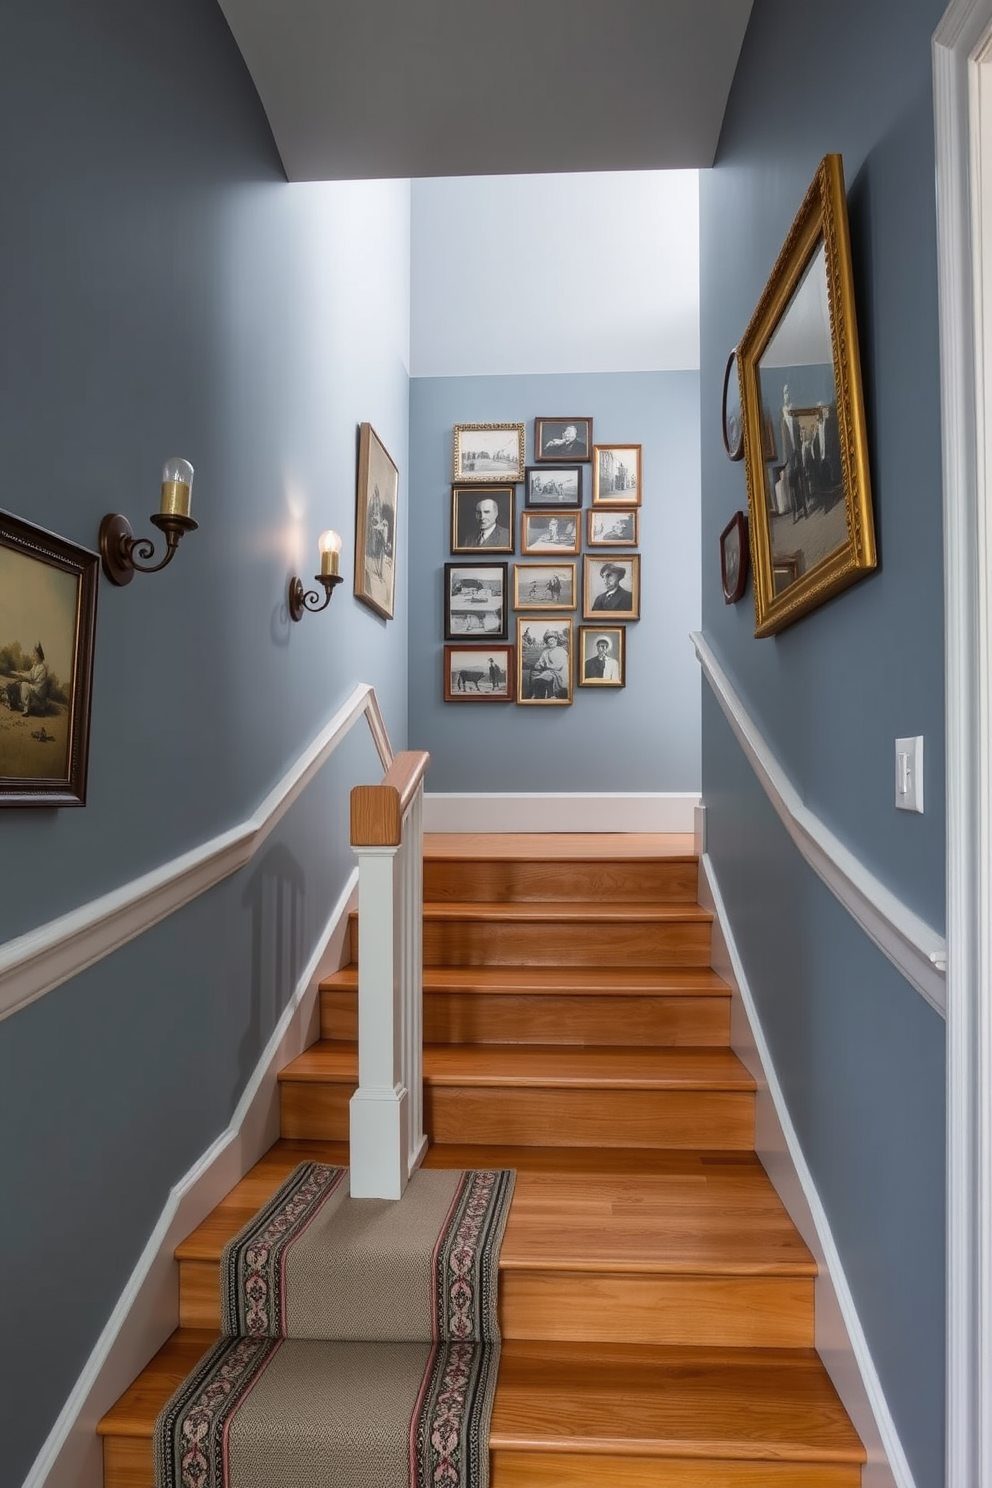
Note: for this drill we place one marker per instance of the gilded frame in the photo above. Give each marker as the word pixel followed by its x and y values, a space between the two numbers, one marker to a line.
pixel 487 453
pixel 545 648
pixel 805 443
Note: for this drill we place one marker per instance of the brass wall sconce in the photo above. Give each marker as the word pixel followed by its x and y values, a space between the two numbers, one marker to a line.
pixel 329 544
pixel 121 550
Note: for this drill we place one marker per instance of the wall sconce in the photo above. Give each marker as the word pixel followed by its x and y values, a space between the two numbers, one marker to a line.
pixel 329 544
pixel 121 550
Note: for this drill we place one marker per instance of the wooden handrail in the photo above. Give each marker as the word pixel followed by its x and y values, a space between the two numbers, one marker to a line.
pixel 377 811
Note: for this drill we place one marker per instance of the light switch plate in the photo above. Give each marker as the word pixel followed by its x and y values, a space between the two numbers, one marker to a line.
pixel 909 774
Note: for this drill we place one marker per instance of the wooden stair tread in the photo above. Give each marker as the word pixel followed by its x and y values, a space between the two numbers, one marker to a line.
pixel 564 910
pixel 136 1412
pixel 575 981
pixel 558 846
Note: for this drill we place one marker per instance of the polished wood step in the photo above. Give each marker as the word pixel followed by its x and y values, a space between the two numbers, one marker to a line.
pixel 687 1006
pixel 591 1414
pixel 623 880
pixel 522 1094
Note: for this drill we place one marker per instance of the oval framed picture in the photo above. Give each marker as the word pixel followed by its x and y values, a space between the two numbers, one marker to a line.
pixel 733 418
pixel 734 558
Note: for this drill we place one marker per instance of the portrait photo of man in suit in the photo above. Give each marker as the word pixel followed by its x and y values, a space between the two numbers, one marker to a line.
pixel 613 596
pixel 482 519
pixel 489 533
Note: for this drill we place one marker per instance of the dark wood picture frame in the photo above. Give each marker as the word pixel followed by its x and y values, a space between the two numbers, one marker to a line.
pixel 476 602
pixel 479 674
pixel 732 411
pixel 553 487
pixel 375 524
pixel 562 439
pixel 734 558
pixel 465 524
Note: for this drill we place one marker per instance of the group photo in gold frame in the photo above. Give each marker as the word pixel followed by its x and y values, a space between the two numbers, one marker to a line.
pixel 805 446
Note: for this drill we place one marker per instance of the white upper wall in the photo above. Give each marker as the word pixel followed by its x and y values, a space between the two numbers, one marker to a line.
pixel 560 273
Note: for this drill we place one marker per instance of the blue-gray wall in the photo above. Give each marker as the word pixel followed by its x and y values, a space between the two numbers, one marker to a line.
pixel 643 738
pixel 859 1054
pixel 164 291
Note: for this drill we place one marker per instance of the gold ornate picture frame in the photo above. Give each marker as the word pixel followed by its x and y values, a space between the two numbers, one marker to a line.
pixel 805 446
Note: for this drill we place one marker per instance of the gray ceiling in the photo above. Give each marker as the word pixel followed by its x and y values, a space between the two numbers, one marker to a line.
pixel 386 88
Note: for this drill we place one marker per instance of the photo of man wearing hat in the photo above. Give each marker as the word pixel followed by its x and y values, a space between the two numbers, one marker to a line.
pixel 603 666
pixel 614 596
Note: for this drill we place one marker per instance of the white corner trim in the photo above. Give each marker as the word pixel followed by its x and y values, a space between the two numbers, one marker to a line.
pixel 619 811
pixel 840 1339
pixel 916 950
pixel 43 958
pixel 148 1308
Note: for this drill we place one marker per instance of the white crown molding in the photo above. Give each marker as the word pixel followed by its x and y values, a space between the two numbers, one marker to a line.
pixel 43 958
pixel 840 1339
pixel 917 950
pixel 617 811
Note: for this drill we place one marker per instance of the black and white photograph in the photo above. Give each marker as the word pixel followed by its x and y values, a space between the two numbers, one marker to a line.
pixel 475 601
pixel 733 558
pixel 602 658
pixel 543 532
pixel 375 524
pixel 616 474
pixel 612 529
pixel 544 660
pixel 557 486
pixel 544 586
pixel 478 674
pixel 562 438
pixel 611 586
pixel 487 453
pixel 482 517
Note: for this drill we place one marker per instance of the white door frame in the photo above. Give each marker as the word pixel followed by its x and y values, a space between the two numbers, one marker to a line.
pixel 962 93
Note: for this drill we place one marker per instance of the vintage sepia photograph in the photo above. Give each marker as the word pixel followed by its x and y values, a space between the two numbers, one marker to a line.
pixel 734 558
pixel 544 660
pixel 560 486
pixel 482 517
pixel 611 585
pixel 48 592
pixel 562 438
pixel 487 453
pixel 612 529
pixel 375 524
pixel 475 601
pixel 602 661
pixel 478 674
pixel 616 474
pixel 542 532
pixel 544 586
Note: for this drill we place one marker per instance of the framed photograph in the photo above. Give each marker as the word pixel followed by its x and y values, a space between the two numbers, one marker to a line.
pixel 562 439
pixel 375 524
pixel 482 517
pixel 544 586
pixel 731 413
pixel 616 474
pixel 733 558
pixel 611 586
pixel 475 601
pixel 612 529
pixel 805 445
pixel 602 656
pixel 488 453
pixel 544 660
pixel 543 532
pixel 48 590
pixel 558 486
pixel 478 674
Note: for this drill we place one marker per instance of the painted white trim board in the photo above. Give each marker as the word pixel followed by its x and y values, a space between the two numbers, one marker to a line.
pixel 917 951
pixel 619 811
pixel 53 953
pixel 840 1339
pixel 147 1311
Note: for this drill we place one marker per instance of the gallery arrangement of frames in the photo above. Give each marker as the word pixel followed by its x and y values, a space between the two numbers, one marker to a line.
pixel 578 563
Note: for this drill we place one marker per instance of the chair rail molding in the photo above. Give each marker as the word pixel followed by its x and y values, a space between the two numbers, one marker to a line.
pixel 44 958
pixel 917 950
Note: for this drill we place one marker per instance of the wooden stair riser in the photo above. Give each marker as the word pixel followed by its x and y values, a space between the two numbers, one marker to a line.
pixel 530 1116
pixel 549 942
pixel 568 1469
pixel 518 1018
pixel 511 880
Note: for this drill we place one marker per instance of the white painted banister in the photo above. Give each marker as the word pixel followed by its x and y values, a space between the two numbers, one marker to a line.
pixel 387 1109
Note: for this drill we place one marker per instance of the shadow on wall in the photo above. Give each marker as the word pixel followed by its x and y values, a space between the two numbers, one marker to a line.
pixel 275 894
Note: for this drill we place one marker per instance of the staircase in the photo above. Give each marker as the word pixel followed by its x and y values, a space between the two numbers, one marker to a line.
pixel 656 1302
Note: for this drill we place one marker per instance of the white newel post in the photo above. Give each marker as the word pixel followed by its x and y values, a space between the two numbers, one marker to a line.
pixel 387 1135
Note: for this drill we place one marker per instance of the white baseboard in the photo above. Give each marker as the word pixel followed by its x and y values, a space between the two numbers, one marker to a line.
pixel 840 1340
pixel 621 811
pixel 148 1309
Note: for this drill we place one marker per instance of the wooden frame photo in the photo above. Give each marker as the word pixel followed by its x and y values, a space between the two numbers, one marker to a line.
pixel 734 558
pixel 562 439
pixel 805 442
pixel 544 661
pixel 482 517
pixel 546 532
pixel 475 601
pixel 48 593
pixel 479 674
pixel 612 529
pixel 488 453
pixel 602 656
pixel 550 486
pixel 375 524
pixel 731 410
pixel 616 475
pixel 544 586
pixel 611 586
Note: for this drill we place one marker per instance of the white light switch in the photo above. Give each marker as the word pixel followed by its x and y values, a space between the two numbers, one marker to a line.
pixel 909 774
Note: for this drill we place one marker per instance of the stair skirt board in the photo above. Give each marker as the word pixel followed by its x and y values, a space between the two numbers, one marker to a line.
pixel 621 811
pixel 840 1340
pixel 148 1309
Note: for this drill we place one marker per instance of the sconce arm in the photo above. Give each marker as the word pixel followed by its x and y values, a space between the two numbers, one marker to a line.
pixel 121 551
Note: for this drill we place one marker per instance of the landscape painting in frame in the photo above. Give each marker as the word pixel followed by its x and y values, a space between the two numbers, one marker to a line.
pixel 475 601
pixel 488 452
pixel 375 524
pixel 48 590
pixel 478 674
